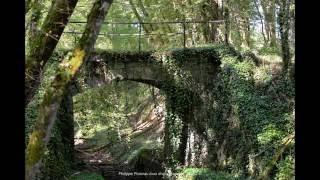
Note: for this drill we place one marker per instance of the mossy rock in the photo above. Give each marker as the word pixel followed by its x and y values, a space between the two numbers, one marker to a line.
pixel 147 160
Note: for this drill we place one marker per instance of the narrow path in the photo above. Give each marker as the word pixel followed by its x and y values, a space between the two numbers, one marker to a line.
pixel 97 159
pixel 109 170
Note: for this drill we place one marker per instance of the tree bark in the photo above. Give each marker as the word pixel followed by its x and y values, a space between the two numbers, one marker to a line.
pixel 210 11
pixel 284 32
pixel 247 32
pixel 43 44
pixel 272 23
pixel 148 28
pixel 215 12
pixel 264 4
pixel 27 6
pixel 140 19
pixel 292 24
pixel 36 7
pixel 66 125
pixel 269 10
pixel 54 93
pixel 227 25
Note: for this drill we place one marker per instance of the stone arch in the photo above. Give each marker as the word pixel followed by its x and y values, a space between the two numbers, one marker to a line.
pixel 191 72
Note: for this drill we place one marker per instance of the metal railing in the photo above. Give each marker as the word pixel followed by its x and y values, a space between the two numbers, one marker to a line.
pixel 139 25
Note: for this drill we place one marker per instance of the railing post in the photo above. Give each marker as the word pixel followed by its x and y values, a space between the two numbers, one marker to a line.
pixel 184 33
pixel 139 37
pixel 75 37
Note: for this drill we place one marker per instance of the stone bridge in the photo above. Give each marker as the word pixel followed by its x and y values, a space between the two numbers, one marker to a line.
pixel 198 66
pixel 185 75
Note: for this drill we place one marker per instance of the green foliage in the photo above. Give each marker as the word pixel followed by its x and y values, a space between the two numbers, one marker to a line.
pixel 269 134
pixel 204 174
pixel 243 25
pixel 258 114
pixel 87 176
pixel 104 109
pixel 248 107
pixel 267 50
pixel 286 168
pixel 248 115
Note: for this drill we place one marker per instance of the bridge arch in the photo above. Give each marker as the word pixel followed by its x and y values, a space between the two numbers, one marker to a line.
pixel 185 75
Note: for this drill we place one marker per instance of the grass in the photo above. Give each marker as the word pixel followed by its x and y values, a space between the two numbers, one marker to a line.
pixel 205 174
pixel 87 176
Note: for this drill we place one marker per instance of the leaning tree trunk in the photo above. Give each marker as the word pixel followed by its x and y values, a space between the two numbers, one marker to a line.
pixel 148 28
pixel 42 46
pixel 140 19
pixel 144 12
pixel 54 93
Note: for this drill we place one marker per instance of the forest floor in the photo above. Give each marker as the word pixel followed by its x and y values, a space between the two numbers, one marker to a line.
pixel 110 159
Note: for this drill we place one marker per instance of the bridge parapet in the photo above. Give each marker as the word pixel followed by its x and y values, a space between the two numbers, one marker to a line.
pixel 194 67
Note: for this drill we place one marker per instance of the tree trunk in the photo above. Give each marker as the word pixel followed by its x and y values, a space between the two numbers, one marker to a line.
pixel 214 16
pixel 293 26
pixel 42 45
pixel 269 10
pixel 284 32
pixel 247 32
pixel 147 28
pixel 26 6
pixel 36 7
pixel 264 5
pixel 66 125
pixel 54 93
pixel 227 25
pixel 140 19
pixel 261 21
pixel 210 11
pixel 61 144
pixel 141 6
pixel 272 23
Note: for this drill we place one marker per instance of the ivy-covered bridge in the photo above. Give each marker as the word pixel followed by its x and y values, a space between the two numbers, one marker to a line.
pixel 185 75
pixel 200 124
